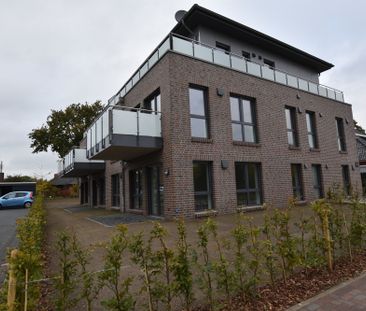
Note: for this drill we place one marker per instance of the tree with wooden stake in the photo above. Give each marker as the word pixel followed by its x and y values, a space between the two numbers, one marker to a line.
pixel 324 210
pixel 12 284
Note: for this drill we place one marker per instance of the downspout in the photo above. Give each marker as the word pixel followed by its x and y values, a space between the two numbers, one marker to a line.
pixel 123 187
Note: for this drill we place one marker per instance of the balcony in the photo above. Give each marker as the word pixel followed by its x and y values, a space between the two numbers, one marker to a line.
pixel 76 164
pixel 197 50
pixel 124 133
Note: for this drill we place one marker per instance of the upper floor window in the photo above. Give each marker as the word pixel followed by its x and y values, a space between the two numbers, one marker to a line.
pixel 291 124
pixel 198 112
pixel 153 102
pixel 269 63
pixel 222 46
pixel 297 183
pixel 243 119
pixel 311 127
pixel 245 54
pixel 340 135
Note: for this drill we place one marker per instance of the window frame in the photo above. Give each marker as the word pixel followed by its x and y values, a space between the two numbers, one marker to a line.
pixel 153 97
pixel 298 187
pixel 270 63
pixel 115 190
pixel 341 135
pixel 312 132
pixel 206 111
pixel 294 126
pixel 209 191
pixel 319 187
pixel 246 54
pixel 258 190
pixel 241 122
pixel 223 47
pixel 346 178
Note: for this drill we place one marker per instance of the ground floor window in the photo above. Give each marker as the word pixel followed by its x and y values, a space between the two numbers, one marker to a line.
pixel 317 180
pixel 136 192
pixel 363 180
pixel 115 190
pixel 346 180
pixel 101 191
pixel 248 183
pixel 297 183
pixel 202 180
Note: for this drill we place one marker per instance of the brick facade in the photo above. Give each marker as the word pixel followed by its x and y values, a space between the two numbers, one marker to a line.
pixel 173 74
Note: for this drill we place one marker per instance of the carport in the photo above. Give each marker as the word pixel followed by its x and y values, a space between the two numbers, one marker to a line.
pixel 6 187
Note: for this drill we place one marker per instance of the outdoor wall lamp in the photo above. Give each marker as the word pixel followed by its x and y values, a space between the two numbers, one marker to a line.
pixel 166 172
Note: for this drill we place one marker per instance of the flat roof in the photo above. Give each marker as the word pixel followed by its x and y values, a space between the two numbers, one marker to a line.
pixel 198 15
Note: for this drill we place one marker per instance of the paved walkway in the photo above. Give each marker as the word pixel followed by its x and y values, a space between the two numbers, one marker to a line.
pixel 348 296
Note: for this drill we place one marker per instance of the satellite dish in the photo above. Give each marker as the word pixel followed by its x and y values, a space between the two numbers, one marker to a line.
pixel 179 15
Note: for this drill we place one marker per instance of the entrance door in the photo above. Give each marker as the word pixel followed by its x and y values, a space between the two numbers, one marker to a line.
pixel 153 182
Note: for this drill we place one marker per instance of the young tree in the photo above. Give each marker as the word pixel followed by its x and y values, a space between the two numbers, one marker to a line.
pixel 358 128
pixel 64 128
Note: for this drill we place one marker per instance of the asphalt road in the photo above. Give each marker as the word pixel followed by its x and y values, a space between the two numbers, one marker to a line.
pixel 8 219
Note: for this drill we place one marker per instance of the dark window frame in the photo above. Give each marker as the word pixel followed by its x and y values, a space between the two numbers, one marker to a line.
pixel 153 97
pixel 319 186
pixel 209 192
pixel 294 126
pixel 297 182
pixel 312 132
pixel 258 190
pixel 115 190
pixel 206 110
pixel 341 136
pixel 269 63
pixel 246 54
pixel 223 47
pixel 346 177
pixel 242 123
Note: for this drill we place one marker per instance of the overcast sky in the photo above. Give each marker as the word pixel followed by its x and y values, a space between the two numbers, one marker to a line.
pixel 54 53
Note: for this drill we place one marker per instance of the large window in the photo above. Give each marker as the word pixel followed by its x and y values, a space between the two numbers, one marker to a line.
pixel 317 180
pixel 346 180
pixel 297 184
pixel 136 190
pixel 153 102
pixel 311 127
pixel 243 119
pixel 115 190
pixel 198 111
pixel 248 183
pixel 340 134
pixel 291 124
pixel 202 181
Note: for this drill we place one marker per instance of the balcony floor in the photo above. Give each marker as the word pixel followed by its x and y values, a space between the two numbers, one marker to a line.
pixel 84 169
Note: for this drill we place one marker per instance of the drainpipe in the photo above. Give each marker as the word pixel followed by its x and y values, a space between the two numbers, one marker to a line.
pixel 123 187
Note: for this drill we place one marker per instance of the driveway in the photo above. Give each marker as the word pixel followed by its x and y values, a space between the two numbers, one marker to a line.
pixel 8 219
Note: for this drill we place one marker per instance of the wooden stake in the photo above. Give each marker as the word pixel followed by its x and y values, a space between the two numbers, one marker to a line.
pixel 26 291
pixel 12 281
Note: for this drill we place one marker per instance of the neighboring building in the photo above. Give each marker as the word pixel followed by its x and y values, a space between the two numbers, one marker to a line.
pixel 218 118
pixel 64 185
pixel 6 187
pixel 361 148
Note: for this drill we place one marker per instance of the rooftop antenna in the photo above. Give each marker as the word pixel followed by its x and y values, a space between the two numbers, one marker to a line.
pixel 179 18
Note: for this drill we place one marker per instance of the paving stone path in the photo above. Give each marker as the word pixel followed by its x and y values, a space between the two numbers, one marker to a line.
pixel 348 296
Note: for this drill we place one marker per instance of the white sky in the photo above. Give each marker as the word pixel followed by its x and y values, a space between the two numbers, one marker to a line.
pixel 54 53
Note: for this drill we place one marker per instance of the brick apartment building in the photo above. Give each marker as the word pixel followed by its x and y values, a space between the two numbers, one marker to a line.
pixel 220 117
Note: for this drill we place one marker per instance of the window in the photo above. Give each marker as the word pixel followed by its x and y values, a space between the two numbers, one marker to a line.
pixel 101 191
pixel 245 54
pixel 317 180
pixel 243 119
pixel 269 63
pixel 198 110
pixel 346 180
pixel 20 194
pixel 222 46
pixel 248 183
pixel 115 190
pixel 312 135
pixel 136 188
pixel 202 185
pixel 340 134
pixel 291 124
pixel 153 102
pixel 297 185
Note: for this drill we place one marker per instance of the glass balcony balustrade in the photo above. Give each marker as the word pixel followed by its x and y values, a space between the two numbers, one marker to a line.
pixel 192 48
pixel 76 164
pixel 124 133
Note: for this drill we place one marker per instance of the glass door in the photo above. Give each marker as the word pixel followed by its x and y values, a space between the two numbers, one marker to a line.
pixel 154 191
pixel 136 192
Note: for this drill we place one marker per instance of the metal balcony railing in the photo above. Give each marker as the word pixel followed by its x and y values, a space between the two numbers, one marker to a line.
pixel 198 50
